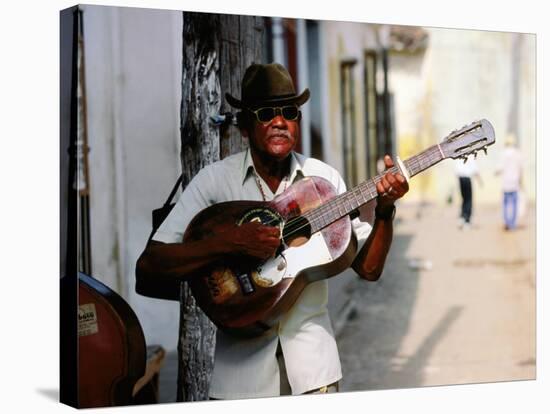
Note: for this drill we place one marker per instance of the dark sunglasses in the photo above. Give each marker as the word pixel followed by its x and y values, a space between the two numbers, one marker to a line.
pixel 266 114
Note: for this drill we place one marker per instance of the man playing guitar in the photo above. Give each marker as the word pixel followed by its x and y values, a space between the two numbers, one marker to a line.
pixel 299 354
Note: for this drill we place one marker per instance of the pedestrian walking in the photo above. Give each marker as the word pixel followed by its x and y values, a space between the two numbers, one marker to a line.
pixel 465 171
pixel 511 170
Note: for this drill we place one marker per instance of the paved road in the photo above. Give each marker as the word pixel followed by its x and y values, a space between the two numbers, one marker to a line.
pixel 469 317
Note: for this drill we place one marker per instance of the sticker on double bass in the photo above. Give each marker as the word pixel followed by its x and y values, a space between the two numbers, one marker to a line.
pixel 87 320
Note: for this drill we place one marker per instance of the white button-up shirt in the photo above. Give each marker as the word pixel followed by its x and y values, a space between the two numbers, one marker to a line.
pixel 245 368
pixel 511 165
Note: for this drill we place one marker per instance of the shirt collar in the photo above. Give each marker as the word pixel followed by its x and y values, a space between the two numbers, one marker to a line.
pixel 248 167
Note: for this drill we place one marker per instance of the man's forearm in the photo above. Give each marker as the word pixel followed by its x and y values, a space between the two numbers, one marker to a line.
pixel 162 266
pixel 369 262
pixel 182 259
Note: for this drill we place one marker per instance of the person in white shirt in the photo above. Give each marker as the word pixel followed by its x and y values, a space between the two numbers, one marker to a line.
pixel 299 355
pixel 511 168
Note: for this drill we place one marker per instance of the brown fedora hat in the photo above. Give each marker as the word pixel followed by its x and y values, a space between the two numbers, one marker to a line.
pixel 268 84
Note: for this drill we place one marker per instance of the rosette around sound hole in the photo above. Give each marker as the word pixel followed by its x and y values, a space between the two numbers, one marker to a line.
pixel 264 216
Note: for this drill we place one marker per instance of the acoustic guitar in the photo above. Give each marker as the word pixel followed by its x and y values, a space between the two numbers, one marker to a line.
pixel 244 297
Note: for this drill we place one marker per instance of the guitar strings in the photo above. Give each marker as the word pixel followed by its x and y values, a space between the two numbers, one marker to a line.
pixel 313 216
pixel 414 164
pixel 331 206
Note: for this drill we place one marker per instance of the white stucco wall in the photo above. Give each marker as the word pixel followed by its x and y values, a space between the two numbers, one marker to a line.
pixel 133 81
pixel 462 76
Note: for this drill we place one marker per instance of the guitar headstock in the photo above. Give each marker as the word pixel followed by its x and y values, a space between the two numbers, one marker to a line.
pixel 468 140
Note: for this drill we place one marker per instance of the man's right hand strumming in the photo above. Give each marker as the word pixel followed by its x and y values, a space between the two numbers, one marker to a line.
pixel 251 239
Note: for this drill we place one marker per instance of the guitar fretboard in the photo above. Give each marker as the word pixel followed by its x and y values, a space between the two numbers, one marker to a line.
pixel 349 201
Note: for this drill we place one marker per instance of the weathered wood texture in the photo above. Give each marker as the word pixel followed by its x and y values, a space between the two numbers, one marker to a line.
pixel 216 51
pixel 241 45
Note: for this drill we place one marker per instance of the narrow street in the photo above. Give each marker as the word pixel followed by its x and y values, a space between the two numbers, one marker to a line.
pixel 452 307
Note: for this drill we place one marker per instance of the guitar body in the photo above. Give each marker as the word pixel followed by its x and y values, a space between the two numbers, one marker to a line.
pixel 245 297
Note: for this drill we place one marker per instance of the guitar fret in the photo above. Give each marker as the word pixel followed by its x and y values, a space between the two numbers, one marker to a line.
pixel 362 193
pixel 349 201
pixel 354 192
pixel 414 166
pixel 332 213
pixel 346 200
pixel 328 217
pixel 370 185
pixel 338 208
pixel 321 221
pixel 424 160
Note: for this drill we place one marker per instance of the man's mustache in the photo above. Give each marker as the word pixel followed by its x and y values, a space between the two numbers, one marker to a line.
pixel 282 133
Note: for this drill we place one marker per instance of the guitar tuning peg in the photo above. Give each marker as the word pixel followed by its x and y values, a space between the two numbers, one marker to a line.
pixel 475 155
pixel 485 150
pixel 465 159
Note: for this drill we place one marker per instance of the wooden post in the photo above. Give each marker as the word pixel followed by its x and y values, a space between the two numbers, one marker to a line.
pixel 216 51
pixel 241 45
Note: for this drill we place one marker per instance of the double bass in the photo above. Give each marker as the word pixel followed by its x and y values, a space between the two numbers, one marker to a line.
pixel 111 346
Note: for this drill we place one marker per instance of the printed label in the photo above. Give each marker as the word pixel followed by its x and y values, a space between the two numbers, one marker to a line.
pixel 87 320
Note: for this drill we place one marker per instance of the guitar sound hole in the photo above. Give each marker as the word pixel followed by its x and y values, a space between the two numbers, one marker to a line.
pixel 296 231
pixel 262 215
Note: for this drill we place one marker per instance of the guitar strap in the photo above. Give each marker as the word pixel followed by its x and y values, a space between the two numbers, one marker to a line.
pixel 160 214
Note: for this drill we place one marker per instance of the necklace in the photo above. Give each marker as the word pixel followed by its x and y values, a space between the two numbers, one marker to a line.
pixel 260 186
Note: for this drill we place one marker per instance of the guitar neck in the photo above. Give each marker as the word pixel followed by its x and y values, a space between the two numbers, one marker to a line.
pixel 346 203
